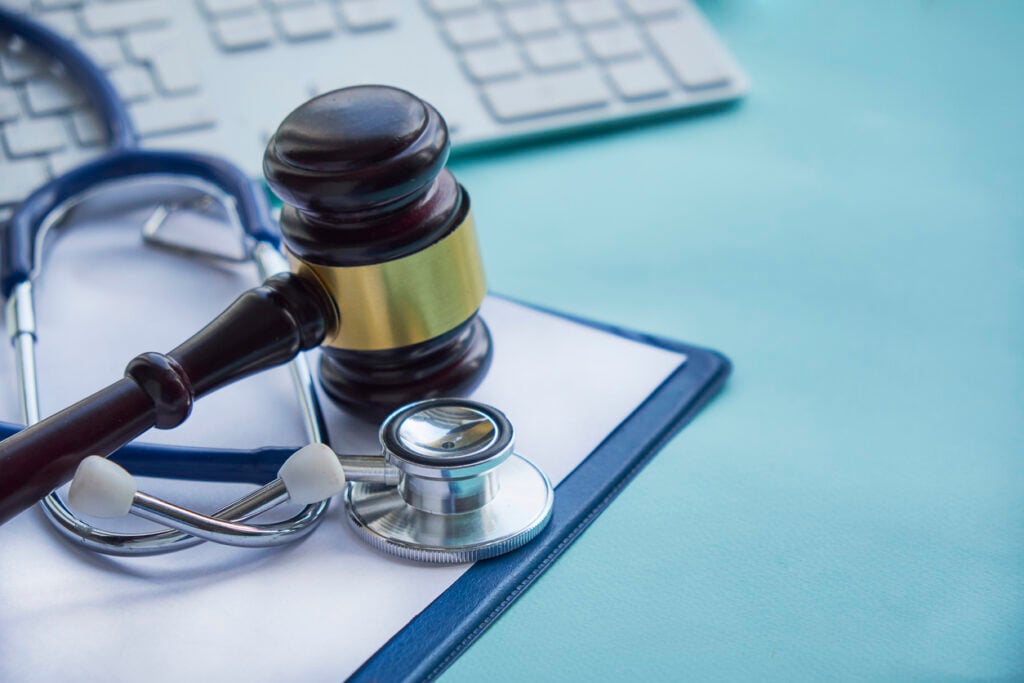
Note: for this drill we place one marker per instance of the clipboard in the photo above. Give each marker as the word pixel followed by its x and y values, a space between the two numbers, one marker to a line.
pixel 624 394
pixel 434 639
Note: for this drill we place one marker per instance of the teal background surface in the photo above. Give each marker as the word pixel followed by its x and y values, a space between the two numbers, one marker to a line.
pixel 852 505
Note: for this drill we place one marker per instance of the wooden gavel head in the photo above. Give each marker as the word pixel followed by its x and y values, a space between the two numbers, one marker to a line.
pixel 373 217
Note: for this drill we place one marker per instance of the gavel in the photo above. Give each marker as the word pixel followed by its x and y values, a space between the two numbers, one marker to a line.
pixel 386 278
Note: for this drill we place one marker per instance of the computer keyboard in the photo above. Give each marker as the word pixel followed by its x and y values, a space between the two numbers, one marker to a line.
pixel 219 75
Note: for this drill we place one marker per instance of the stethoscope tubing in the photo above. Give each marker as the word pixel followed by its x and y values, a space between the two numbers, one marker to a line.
pixel 83 71
pixel 192 463
pixel 20 242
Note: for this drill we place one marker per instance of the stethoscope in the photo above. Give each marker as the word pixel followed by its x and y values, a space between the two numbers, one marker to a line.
pixel 447 486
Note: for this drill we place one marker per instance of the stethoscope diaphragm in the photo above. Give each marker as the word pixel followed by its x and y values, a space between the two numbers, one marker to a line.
pixel 463 493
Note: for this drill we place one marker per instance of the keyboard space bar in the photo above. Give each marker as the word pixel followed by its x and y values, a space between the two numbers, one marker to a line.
pixel 546 94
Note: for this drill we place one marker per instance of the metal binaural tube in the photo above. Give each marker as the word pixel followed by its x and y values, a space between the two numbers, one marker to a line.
pixel 229 532
pixel 21 327
pixel 227 526
pixel 160 542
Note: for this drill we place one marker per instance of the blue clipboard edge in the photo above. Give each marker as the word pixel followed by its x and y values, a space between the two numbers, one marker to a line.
pixel 432 641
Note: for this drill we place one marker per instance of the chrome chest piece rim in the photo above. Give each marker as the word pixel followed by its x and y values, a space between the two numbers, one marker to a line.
pixel 463 493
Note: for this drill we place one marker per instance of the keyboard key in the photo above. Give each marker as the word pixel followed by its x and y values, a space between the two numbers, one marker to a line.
pixel 593 12
pixel 649 9
pixel 531 20
pixel 87 129
pixel 556 52
pixel 19 178
pixel 62 21
pixel 492 62
pixel 175 73
pixel 619 42
pixel 157 117
pixel 444 7
pixel 694 58
pixel 546 94
pixel 217 8
pixel 132 82
pixel 168 56
pixel 640 79
pixel 140 46
pixel 243 32
pixel 10 107
pixel 105 51
pixel 49 94
pixel 56 4
pixel 110 17
pixel 306 22
pixel 18 63
pixel 30 137
pixel 366 15
pixel 474 29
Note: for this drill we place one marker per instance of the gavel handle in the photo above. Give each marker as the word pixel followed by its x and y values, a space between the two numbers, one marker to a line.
pixel 264 327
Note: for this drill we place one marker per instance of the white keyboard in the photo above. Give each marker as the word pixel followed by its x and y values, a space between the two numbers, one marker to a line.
pixel 219 75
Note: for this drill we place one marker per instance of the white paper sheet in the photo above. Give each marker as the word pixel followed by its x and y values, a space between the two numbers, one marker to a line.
pixel 312 612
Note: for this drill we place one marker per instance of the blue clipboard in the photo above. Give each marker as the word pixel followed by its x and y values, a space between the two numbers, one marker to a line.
pixel 438 635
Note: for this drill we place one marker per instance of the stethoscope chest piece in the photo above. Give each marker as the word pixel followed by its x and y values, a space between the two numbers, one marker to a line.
pixel 463 494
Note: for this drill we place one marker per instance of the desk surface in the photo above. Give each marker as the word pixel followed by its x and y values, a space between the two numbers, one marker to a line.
pixel 851 506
